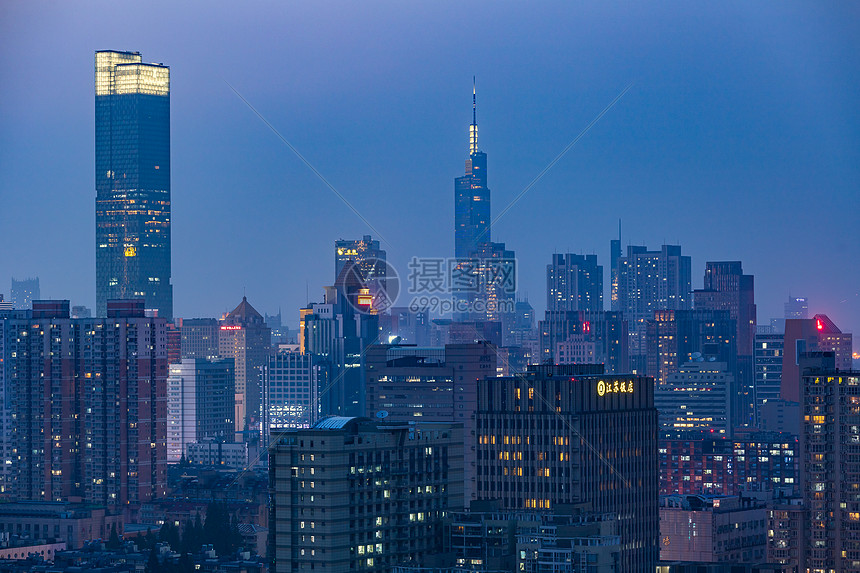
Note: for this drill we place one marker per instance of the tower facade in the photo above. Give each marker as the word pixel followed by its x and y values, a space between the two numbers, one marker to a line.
pixel 132 182
pixel 472 197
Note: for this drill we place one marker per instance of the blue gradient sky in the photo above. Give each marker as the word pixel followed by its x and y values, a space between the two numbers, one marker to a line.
pixel 740 138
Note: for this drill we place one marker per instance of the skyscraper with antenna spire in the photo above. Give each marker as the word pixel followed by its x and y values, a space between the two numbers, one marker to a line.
pixel 471 196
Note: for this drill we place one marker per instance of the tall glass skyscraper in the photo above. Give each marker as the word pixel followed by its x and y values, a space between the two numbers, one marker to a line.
pixel 472 198
pixel 132 182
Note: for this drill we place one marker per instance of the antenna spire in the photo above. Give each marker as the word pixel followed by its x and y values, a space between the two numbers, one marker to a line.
pixel 473 129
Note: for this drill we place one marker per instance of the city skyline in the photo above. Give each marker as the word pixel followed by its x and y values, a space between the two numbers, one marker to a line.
pixel 608 174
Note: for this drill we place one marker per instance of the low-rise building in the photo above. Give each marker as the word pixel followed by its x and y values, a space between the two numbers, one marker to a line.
pixel 712 529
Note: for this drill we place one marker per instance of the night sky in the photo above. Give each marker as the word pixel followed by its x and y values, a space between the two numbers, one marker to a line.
pixel 739 139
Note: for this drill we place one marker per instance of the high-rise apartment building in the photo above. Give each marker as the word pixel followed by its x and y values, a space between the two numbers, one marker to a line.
pixel 816 334
pixel 132 181
pixel 830 464
pixel 244 337
pixel 571 434
pixel 354 494
pixel 649 281
pixel 24 292
pixel 415 384
pixel 89 405
pixel 574 282
pixel 200 396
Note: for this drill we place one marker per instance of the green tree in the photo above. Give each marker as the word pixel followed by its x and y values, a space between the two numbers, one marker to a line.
pixel 114 542
pixel 152 564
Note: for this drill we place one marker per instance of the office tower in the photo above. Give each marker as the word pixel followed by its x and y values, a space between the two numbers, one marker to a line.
pixel 574 282
pixel 290 392
pixel 410 327
pixel 562 332
pixel 89 405
pixel 696 397
pixel 815 334
pixel 337 334
pixel 830 474
pixel 244 337
pixel 491 294
pixel 472 197
pixel 200 403
pixel 571 434
pixel 357 494
pixel 415 384
pixel 713 529
pixel 200 338
pixel 132 181
pixel 366 254
pixel 24 292
pixel 614 255
pixel 767 365
pixel 703 463
pixel 445 331
pixel 797 307
pixel 649 281
pixel 727 288
pixel 5 305
pixel 674 337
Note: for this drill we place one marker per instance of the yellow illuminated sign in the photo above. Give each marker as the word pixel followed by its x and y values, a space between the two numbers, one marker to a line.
pixel 614 387
pixel 130 251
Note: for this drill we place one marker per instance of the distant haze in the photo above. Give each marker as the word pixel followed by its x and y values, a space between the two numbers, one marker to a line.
pixel 740 138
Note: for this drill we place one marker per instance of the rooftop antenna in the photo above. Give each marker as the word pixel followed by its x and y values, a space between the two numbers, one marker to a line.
pixel 473 129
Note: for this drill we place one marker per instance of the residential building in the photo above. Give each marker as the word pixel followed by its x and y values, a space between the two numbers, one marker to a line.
pixel 89 405
pixel 419 384
pixel 702 463
pixel 358 494
pixel 830 463
pixel 713 529
pixel 24 292
pixel 816 334
pixel 650 281
pixel 200 397
pixel 574 282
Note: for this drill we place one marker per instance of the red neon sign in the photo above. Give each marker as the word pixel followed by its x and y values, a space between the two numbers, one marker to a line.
pixel 231 328
pixel 818 324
